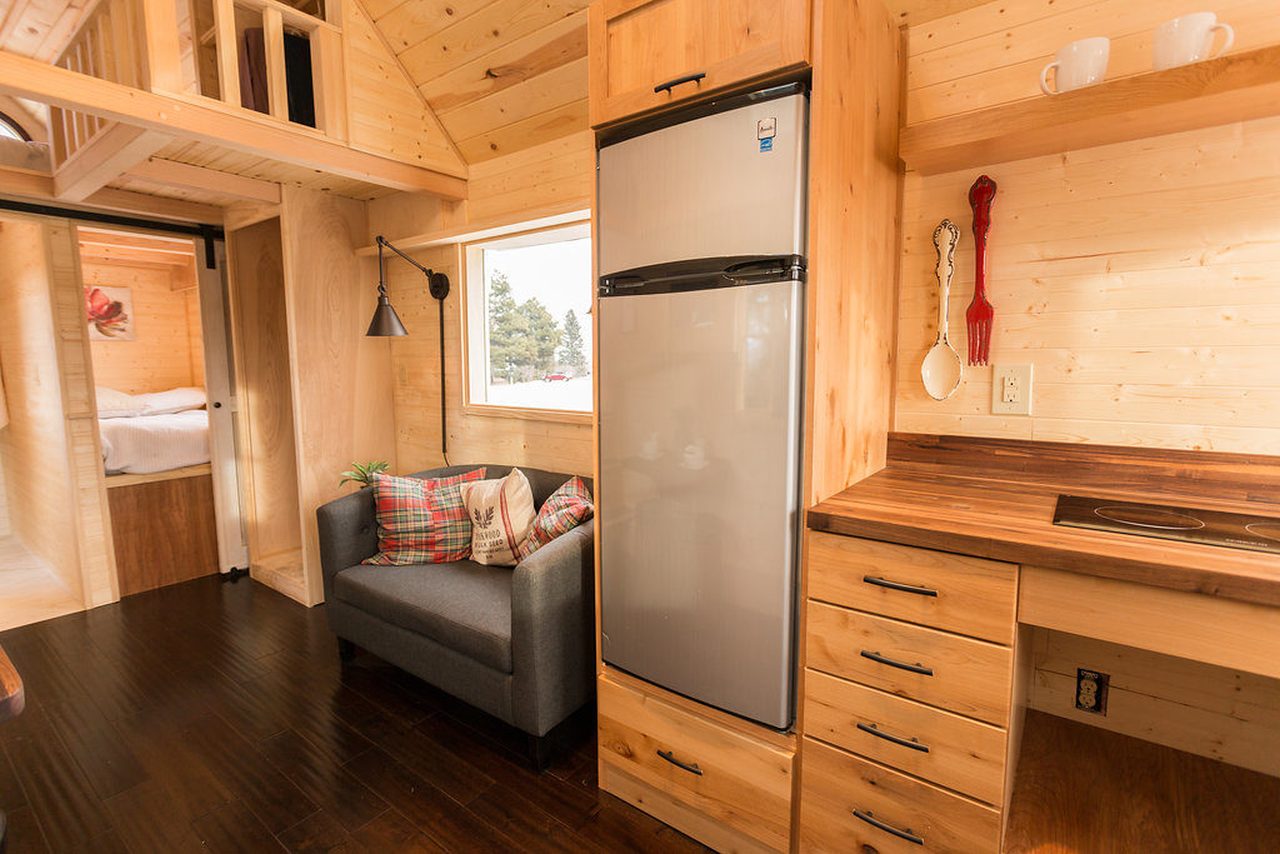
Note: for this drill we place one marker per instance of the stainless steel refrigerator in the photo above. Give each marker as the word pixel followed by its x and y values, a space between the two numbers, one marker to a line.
pixel 701 264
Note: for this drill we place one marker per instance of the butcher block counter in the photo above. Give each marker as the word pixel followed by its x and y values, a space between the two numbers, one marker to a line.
pixel 934 592
pixel 995 498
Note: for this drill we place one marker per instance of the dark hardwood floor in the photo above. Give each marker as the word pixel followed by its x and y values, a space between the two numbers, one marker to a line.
pixel 213 716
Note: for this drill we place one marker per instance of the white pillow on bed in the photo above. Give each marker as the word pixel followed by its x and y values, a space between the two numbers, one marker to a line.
pixel 117 404
pixel 171 401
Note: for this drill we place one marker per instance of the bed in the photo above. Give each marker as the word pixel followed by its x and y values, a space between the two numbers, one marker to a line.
pixel 151 433
pixel 146 444
pixel 155 450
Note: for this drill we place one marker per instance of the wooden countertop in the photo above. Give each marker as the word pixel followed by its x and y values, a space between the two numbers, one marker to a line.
pixel 995 499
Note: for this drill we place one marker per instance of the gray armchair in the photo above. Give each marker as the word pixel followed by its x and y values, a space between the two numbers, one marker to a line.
pixel 517 643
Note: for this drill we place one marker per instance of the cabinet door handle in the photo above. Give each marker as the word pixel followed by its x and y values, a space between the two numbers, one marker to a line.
pixel 888 828
pixel 913 743
pixel 676 81
pixel 691 767
pixel 899 586
pixel 901 665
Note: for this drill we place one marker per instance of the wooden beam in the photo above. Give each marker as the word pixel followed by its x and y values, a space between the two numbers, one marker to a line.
pixel 329 83
pixel 212 122
pixel 170 173
pixel 35 187
pixel 16 154
pixel 228 51
pixel 104 158
pixel 277 79
pixel 163 63
pixel 563 213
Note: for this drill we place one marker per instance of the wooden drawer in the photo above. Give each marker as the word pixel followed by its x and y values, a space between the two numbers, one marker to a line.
pixel 961 594
pixel 836 784
pixel 956 752
pixel 711 773
pixel 960 674
pixel 636 45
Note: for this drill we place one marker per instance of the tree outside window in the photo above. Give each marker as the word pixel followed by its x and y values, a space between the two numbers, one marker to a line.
pixel 528 324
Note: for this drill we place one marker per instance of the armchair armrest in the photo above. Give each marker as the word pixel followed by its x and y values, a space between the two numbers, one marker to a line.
pixel 553 630
pixel 348 529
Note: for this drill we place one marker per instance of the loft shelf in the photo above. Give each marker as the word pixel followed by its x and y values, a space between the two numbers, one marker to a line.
pixel 1220 91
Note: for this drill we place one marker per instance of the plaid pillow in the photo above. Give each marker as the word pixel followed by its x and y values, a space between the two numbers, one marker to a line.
pixel 566 508
pixel 421 520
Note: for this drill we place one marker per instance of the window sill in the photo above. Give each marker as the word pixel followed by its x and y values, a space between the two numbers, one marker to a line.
pixel 527 414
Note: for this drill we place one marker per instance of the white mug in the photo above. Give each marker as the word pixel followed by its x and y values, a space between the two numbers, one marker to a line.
pixel 1188 39
pixel 1079 64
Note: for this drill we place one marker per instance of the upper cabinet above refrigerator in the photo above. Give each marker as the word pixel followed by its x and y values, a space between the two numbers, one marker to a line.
pixel 651 54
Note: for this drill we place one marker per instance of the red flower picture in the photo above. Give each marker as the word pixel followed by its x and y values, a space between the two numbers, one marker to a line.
pixel 110 313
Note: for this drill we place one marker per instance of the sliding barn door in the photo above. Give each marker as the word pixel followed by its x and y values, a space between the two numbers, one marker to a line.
pixel 233 550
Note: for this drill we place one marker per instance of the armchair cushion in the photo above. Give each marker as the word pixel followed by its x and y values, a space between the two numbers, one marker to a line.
pixel 460 605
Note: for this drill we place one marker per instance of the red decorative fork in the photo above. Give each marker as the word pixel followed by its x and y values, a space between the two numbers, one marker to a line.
pixel 980 314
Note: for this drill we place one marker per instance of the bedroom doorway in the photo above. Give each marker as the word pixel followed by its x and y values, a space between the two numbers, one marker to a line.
pixel 156 319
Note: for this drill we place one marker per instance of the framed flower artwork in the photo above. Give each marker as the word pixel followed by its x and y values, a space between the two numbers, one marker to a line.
pixel 109 312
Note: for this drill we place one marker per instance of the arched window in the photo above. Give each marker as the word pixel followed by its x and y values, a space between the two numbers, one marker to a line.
pixel 9 129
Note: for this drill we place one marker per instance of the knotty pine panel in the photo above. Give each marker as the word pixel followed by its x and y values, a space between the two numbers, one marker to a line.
pixel 1142 281
pixel 341 385
pixel 166 352
pixel 501 188
pixel 35 446
pixel 385 111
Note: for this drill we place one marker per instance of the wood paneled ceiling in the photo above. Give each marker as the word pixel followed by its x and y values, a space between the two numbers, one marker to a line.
pixel 39 29
pixel 501 75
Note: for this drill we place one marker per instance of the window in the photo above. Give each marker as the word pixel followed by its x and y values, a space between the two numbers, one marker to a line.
pixel 528 321
pixel 9 129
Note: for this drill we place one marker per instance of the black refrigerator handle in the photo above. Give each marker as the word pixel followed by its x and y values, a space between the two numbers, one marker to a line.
pixel 703 274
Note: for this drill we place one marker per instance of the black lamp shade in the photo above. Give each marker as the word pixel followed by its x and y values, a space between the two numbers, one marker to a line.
pixel 386 323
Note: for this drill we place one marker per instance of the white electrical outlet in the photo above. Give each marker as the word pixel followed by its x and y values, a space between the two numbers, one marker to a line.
pixel 1011 389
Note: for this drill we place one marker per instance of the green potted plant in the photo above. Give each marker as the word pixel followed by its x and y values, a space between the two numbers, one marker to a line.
pixel 364 474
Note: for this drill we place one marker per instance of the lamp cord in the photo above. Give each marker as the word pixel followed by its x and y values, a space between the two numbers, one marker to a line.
pixel 444 434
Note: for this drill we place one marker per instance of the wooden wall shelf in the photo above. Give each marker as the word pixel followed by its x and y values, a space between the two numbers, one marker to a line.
pixel 1220 91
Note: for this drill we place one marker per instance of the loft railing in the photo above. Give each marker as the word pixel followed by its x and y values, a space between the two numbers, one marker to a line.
pixel 104 47
pixel 278 60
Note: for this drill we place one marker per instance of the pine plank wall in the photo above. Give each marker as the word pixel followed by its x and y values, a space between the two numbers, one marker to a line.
pixel 1142 280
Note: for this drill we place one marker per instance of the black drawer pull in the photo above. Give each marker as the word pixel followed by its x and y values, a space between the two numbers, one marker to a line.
pixel 673 83
pixel 901 665
pixel 889 828
pixel 913 743
pixel 899 586
pixel 691 767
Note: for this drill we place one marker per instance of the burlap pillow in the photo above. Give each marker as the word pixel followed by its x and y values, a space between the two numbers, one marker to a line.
pixel 501 512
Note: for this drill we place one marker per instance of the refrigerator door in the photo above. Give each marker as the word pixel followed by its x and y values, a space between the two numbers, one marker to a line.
pixel 699 470
pixel 727 184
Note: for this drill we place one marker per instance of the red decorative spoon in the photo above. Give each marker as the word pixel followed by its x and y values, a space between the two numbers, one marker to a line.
pixel 980 314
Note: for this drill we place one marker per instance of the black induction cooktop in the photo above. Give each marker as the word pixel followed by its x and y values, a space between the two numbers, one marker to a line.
pixel 1190 525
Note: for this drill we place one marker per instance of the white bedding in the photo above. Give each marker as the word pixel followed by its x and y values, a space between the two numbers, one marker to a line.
pixel 150 443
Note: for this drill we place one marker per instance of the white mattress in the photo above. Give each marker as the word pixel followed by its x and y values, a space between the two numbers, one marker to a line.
pixel 150 443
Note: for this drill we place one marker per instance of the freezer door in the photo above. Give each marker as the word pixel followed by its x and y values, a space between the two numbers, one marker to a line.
pixel 728 184
pixel 699 459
